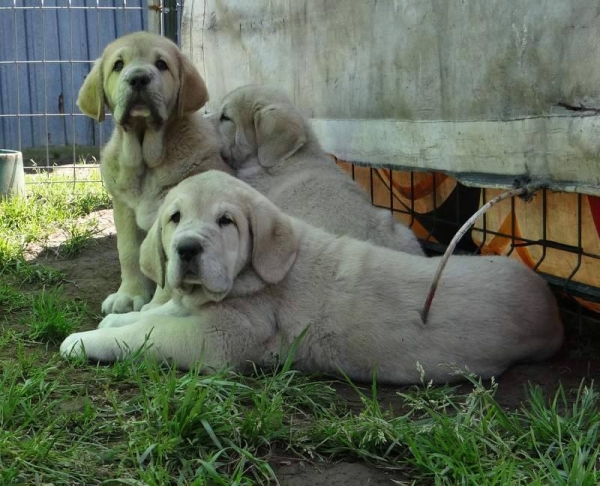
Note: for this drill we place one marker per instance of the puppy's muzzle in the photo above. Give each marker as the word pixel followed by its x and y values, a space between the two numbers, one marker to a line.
pixel 139 81
pixel 188 250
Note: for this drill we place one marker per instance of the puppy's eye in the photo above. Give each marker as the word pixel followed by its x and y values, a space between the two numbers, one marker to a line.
pixel 175 217
pixel 118 66
pixel 224 117
pixel 224 220
pixel 161 65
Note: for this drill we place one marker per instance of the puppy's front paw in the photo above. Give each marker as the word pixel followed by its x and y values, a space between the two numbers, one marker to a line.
pixel 97 345
pixel 122 302
pixel 119 320
pixel 71 347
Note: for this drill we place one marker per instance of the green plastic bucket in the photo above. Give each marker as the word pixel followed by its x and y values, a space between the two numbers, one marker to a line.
pixel 12 175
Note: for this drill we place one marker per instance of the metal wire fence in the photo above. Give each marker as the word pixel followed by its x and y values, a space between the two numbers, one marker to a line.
pixel 556 234
pixel 48 49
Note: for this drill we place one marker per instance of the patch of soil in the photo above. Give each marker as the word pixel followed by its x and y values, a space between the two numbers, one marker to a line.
pixel 95 273
pixel 92 274
pixel 293 472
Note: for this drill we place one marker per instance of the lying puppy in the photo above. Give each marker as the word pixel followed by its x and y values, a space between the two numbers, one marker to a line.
pixel 248 279
pixel 153 92
pixel 271 145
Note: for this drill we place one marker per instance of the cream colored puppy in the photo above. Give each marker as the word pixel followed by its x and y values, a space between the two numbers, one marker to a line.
pixel 249 279
pixel 154 93
pixel 272 147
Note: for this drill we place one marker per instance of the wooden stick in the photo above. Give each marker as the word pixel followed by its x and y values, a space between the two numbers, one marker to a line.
pixel 465 227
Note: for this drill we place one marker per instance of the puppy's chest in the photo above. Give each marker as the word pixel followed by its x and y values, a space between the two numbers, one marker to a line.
pixel 130 183
pixel 143 191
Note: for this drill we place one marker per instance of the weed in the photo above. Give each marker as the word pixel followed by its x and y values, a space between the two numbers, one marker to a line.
pixel 28 273
pixel 53 318
pixel 11 299
pixel 80 237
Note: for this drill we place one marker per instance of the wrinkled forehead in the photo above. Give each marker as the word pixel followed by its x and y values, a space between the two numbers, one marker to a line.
pixel 140 47
pixel 206 195
pixel 237 102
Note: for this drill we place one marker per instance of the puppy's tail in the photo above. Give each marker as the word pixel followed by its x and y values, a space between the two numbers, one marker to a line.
pixel 519 190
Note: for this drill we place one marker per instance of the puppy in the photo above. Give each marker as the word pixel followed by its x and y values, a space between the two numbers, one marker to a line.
pixel 272 147
pixel 248 280
pixel 153 92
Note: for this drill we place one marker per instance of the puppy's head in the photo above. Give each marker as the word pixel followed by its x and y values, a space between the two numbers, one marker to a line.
pixel 211 227
pixel 259 121
pixel 144 79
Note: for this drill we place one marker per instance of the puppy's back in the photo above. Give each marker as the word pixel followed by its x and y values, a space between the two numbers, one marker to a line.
pixel 488 312
pixel 313 188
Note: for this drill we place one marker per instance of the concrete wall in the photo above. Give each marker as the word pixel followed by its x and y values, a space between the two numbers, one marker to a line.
pixel 470 87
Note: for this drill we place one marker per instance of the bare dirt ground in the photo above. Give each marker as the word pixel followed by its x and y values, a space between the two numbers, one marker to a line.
pixel 94 273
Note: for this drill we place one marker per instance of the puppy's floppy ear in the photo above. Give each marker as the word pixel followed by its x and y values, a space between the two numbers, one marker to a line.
pixel 274 241
pixel 280 133
pixel 193 93
pixel 90 99
pixel 152 255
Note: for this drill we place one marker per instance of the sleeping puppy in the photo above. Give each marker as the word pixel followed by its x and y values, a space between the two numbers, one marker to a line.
pixel 272 147
pixel 248 279
pixel 153 92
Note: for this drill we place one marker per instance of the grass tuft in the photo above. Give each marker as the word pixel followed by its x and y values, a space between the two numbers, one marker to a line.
pixel 52 318
pixel 11 299
pixel 80 237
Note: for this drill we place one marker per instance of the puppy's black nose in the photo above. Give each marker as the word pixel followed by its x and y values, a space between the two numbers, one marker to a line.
pixel 139 81
pixel 188 250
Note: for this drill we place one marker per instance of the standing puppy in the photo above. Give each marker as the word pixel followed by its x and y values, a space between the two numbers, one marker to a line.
pixel 272 147
pixel 154 93
pixel 248 280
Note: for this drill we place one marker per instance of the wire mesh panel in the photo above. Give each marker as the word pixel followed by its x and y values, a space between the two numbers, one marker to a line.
pixel 556 234
pixel 47 51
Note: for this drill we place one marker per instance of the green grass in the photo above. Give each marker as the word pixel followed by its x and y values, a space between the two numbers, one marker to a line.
pixel 470 439
pixel 51 317
pixel 80 237
pixel 136 422
pixel 81 424
pixel 11 299
pixel 51 205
